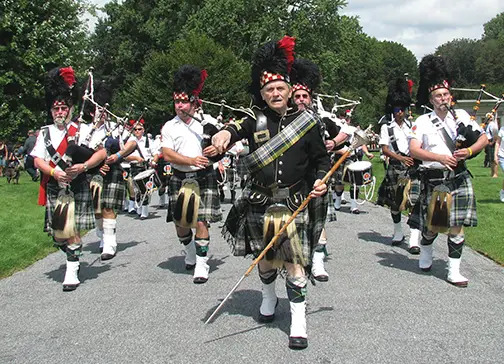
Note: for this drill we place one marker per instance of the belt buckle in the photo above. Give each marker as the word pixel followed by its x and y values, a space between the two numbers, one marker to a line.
pixel 262 136
pixel 280 193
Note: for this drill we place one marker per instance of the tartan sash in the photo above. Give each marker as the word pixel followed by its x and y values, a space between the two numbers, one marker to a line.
pixel 57 158
pixel 277 145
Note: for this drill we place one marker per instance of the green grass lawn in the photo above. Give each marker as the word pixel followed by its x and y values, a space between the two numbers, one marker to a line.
pixel 22 241
pixel 488 237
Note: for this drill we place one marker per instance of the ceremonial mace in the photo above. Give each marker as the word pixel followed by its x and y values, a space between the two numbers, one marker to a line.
pixel 360 138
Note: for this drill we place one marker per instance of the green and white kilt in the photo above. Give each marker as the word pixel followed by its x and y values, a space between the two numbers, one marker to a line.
pixel 386 191
pixel 84 211
pixel 209 207
pixel 244 229
pixel 114 188
pixel 320 211
pixel 463 208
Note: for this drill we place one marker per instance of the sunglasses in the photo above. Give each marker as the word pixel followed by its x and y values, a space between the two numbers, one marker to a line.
pixel 137 129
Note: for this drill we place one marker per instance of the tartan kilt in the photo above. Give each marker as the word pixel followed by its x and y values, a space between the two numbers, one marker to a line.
pixel 463 208
pixel 243 229
pixel 114 189
pixel 320 211
pixel 209 207
pixel 84 211
pixel 386 191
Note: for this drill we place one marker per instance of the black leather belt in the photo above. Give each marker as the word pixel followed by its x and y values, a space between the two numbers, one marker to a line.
pixel 439 174
pixel 279 192
pixel 200 173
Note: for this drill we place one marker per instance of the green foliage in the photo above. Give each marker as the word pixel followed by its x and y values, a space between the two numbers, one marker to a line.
pixel 494 29
pixel 462 56
pixel 22 241
pixel 398 60
pixel 227 77
pixel 35 36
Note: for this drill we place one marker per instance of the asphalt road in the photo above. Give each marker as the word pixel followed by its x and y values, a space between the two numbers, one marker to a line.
pixel 142 307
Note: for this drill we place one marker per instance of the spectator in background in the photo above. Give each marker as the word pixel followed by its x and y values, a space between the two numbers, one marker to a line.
pixel 491 130
pixel 499 156
pixel 28 147
pixel 3 156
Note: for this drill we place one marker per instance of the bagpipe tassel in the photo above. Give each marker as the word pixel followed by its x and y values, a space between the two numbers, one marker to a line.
pixel 96 186
pixel 438 214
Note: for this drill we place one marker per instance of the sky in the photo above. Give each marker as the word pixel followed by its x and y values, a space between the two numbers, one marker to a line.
pixel 423 25
pixel 419 25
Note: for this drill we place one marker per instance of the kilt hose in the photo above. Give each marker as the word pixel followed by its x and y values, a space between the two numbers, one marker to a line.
pixel 209 207
pixel 463 208
pixel 84 211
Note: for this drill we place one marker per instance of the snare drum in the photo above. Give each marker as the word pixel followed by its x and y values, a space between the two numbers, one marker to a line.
pixel 146 181
pixel 359 173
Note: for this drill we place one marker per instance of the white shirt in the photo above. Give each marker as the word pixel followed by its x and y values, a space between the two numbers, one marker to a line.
pixel 401 135
pixel 98 137
pixel 185 139
pixel 492 129
pixel 500 152
pixel 56 135
pixel 431 139
pixel 147 153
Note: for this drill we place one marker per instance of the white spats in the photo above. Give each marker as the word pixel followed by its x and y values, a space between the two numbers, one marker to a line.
pixel 318 271
pixel 298 319
pixel 398 234
pixel 502 195
pixel 144 212
pixel 414 238
pixel 201 270
pixel 269 299
pixel 71 280
pixel 190 255
pixel 354 208
pixel 425 261
pixel 99 230
pixel 337 202
pixel 131 207
pixel 454 277
pixel 109 239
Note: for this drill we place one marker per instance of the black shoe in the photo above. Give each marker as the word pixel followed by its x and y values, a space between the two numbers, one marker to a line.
pixel 397 242
pixel 322 278
pixel 106 256
pixel 426 269
pixel 266 319
pixel 298 343
pixel 70 287
pixel 415 250
pixel 355 211
pixel 200 280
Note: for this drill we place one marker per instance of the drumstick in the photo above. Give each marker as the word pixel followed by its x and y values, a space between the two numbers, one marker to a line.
pixel 360 138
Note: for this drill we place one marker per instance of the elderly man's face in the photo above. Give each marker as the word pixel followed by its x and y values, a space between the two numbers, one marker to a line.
pixel 302 98
pixel 59 113
pixel 440 98
pixel 276 94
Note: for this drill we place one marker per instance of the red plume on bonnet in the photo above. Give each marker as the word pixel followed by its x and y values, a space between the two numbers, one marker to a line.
pixel 197 90
pixel 287 44
pixel 68 75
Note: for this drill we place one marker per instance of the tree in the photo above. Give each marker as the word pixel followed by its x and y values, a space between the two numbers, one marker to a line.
pixel 461 56
pixel 35 36
pixel 398 60
pixel 227 77
pixel 494 29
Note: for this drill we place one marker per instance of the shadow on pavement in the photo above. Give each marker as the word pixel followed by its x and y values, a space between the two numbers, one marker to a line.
pixel 397 260
pixel 87 271
pixel 95 246
pixel 374 237
pixel 177 264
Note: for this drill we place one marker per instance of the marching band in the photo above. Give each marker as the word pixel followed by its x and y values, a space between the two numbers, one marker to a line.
pixel 282 151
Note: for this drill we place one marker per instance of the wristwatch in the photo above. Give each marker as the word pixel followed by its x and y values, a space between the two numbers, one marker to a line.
pixel 85 167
